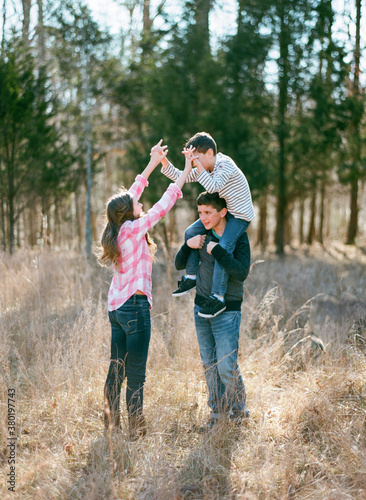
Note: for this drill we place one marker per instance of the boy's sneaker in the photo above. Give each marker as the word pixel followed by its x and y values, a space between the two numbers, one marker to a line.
pixel 208 426
pixel 186 285
pixel 212 308
pixel 239 417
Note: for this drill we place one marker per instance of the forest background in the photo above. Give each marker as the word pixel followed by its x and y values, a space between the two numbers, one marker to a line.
pixel 84 94
pixel 279 85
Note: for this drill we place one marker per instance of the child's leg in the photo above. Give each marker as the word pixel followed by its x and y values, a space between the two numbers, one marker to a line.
pixel 188 282
pixel 193 259
pixel 233 230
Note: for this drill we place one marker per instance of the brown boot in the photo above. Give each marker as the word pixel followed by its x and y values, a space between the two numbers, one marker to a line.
pixel 137 425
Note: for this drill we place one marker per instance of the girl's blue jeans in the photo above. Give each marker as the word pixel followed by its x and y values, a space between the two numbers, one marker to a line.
pixel 233 230
pixel 131 329
pixel 218 340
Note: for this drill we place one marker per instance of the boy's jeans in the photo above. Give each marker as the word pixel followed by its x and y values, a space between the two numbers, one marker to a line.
pixel 131 329
pixel 218 340
pixel 233 230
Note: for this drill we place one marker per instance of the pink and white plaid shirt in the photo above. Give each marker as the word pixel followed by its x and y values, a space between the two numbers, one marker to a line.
pixel 135 261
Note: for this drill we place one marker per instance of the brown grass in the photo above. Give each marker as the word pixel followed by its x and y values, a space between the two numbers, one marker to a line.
pixel 307 435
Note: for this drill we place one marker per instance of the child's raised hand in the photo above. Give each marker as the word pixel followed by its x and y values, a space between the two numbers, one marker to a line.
pixel 158 152
pixel 189 153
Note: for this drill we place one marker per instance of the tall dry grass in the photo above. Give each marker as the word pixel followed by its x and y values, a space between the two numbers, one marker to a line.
pixel 306 438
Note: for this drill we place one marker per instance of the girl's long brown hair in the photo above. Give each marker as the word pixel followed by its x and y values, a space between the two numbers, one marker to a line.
pixel 119 209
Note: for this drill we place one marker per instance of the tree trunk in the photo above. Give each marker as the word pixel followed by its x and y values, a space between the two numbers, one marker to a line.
pixel 3 30
pixel 311 232
pixel 3 223
pixel 10 203
pixel 146 20
pixel 18 231
pixel 79 204
pixel 41 35
pixel 201 16
pixel 353 221
pixel 263 214
pixel 289 224
pixel 322 211
pixel 32 215
pixel 88 140
pixel 26 20
pixel 282 132
pixel 301 220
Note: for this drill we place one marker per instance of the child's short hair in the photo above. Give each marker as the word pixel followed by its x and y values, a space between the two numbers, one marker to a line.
pixel 212 199
pixel 202 141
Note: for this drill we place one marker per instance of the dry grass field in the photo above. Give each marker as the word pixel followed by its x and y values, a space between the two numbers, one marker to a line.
pixel 306 438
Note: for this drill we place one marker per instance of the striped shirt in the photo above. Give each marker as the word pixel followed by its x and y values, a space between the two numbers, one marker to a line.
pixel 134 271
pixel 226 179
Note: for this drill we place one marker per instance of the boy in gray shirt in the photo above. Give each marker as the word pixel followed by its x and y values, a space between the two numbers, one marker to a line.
pixel 218 337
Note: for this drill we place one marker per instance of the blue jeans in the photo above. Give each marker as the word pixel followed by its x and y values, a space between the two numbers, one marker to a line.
pixel 131 329
pixel 233 230
pixel 218 340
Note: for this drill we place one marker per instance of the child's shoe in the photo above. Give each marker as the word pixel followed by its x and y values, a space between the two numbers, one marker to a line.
pixel 186 285
pixel 212 307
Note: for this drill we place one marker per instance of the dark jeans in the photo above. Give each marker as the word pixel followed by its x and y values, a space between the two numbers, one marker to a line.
pixel 131 329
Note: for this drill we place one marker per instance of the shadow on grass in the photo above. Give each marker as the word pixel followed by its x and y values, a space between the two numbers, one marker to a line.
pixel 108 463
pixel 206 471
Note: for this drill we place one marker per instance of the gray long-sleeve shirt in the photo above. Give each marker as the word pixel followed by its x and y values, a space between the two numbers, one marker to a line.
pixel 237 266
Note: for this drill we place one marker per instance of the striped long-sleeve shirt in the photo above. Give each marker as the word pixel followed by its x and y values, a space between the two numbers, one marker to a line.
pixel 226 179
pixel 134 271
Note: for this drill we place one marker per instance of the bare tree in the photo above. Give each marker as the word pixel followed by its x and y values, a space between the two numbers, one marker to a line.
pixel 26 5
pixel 356 136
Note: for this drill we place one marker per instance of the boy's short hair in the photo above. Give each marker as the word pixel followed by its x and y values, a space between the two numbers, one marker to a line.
pixel 212 199
pixel 202 141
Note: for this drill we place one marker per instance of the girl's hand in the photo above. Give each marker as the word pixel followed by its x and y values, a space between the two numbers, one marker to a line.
pixel 158 152
pixel 197 241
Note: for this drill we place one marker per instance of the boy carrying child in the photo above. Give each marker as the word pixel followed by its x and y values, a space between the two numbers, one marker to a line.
pixel 218 337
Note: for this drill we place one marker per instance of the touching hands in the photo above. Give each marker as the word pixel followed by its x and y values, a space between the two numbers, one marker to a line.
pixel 158 152
pixel 210 246
pixel 189 154
pixel 196 241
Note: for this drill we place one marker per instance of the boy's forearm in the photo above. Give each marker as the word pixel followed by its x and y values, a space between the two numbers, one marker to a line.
pixel 170 171
pixel 165 163
pixel 237 265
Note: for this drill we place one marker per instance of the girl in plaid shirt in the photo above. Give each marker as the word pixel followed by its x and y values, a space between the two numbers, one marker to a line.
pixel 128 247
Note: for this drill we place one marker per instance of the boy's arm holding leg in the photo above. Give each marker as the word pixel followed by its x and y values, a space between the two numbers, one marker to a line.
pixel 237 265
pixel 183 253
